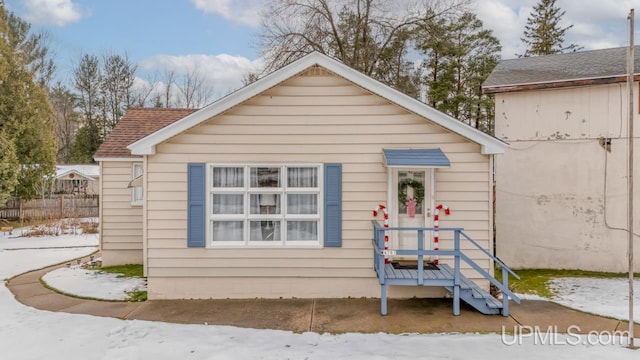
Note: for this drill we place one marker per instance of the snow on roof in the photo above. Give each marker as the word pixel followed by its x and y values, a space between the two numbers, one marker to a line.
pixel 86 170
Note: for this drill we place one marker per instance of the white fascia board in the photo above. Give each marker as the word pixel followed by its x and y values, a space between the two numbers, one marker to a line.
pixel 146 145
pixel 127 159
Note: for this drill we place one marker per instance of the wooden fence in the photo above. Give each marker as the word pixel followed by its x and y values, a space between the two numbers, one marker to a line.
pixel 53 207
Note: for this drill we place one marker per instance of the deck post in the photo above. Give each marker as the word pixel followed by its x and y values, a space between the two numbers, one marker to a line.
pixel 379 257
pixel 383 299
pixel 505 297
pixel 420 257
pixel 456 274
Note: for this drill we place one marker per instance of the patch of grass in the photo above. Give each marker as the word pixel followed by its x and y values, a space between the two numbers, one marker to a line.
pixel 534 281
pixel 137 296
pixel 129 270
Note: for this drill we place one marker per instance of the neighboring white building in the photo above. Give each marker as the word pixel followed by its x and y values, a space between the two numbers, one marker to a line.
pixel 561 198
pixel 77 179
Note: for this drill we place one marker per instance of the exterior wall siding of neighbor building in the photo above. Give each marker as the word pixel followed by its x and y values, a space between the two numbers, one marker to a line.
pixel 313 118
pixel 120 222
pixel 558 190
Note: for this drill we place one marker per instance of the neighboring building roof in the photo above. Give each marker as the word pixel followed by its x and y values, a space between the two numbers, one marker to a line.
pixel 561 70
pixel 90 171
pixel 134 125
pixel 146 145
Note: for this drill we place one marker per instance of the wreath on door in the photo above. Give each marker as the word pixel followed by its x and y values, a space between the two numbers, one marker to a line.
pixel 418 190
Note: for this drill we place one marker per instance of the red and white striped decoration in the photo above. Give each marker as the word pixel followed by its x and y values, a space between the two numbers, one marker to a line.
pixel 386 225
pixel 436 225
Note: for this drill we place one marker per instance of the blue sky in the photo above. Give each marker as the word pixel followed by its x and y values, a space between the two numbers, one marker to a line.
pixel 216 36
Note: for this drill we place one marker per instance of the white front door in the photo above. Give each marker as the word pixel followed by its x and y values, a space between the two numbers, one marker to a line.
pixel 414 186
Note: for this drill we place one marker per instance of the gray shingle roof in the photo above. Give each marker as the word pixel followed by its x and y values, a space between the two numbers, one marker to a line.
pixel 593 64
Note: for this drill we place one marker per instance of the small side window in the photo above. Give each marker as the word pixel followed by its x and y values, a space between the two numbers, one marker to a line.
pixel 137 192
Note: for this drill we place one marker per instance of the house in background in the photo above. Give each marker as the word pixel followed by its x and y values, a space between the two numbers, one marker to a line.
pixel 77 179
pixel 561 194
pixel 269 191
pixel 121 212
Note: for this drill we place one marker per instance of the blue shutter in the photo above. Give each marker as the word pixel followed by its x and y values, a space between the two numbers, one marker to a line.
pixel 196 200
pixel 333 205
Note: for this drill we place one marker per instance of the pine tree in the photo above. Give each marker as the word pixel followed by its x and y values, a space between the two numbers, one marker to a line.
pixel 8 168
pixel 543 34
pixel 460 55
pixel 25 115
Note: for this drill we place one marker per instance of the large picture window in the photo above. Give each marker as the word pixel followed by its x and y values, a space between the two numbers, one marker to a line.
pixel 264 205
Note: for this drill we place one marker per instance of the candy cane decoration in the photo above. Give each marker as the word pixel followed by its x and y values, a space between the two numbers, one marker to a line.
pixel 386 225
pixel 436 225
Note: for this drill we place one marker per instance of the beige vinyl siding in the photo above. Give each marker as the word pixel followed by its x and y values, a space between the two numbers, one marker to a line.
pixel 121 223
pixel 313 118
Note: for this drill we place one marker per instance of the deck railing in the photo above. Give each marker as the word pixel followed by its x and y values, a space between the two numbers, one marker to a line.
pixel 457 254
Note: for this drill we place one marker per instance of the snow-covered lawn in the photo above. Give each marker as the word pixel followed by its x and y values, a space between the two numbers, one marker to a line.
pixel 93 283
pixel 607 297
pixel 27 333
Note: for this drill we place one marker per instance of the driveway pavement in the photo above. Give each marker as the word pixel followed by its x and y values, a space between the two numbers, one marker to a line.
pixel 318 315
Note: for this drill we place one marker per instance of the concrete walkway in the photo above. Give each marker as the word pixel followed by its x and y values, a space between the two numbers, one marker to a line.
pixel 318 315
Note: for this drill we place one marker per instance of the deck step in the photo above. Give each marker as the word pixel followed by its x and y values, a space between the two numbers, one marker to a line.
pixel 470 292
pixel 473 295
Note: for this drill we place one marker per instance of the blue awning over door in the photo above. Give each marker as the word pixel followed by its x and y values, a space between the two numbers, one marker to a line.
pixel 429 158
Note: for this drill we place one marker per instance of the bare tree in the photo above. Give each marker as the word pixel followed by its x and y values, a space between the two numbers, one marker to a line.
pixel 372 36
pixel 143 92
pixel 169 80
pixel 67 119
pixel 117 88
pixel 194 91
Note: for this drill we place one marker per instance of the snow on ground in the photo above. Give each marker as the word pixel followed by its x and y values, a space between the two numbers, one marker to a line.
pixel 27 333
pixel 93 283
pixel 20 242
pixel 14 262
pixel 595 295
pixel 16 240
pixel 19 254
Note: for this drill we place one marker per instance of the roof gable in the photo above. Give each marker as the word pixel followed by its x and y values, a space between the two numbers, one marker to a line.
pixel 86 170
pixel 146 145
pixel 134 125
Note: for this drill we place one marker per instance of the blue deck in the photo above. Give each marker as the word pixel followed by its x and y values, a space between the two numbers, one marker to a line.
pixel 443 274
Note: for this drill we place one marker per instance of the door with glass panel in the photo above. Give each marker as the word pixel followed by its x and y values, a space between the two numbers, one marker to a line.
pixel 412 201
pixel 265 205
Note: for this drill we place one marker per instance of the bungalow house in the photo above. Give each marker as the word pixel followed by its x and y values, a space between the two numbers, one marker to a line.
pixel 561 196
pixel 77 179
pixel 269 191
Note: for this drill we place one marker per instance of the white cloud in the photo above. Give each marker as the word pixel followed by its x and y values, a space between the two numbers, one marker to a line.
pixel 52 12
pixel 507 20
pixel 223 73
pixel 597 24
pixel 245 12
